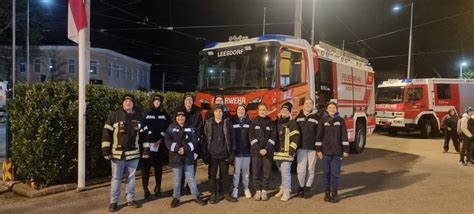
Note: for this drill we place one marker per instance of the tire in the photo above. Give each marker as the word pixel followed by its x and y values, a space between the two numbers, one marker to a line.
pixel 360 139
pixel 426 128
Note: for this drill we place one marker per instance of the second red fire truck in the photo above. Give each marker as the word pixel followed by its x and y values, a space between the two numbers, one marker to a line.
pixel 420 104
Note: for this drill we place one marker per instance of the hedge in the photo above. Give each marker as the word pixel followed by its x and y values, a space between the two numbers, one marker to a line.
pixel 43 121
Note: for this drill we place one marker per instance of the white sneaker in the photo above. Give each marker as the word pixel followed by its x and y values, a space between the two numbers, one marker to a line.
pixel 248 194
pixel 264 195
pixel 235 193
pixel 280 193
pixel 258 195
pixel 286 195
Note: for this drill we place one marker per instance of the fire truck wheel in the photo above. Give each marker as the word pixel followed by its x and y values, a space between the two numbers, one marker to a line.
pixel 360 138
pixel 426 128
pixel 392 131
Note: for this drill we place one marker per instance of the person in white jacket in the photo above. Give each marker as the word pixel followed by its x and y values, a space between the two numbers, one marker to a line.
pixel 467 135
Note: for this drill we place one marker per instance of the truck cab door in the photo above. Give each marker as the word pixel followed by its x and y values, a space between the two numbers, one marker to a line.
pixel 416 99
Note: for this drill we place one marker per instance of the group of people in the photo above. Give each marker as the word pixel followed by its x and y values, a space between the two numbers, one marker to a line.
pixel 460 128
pixel 252 145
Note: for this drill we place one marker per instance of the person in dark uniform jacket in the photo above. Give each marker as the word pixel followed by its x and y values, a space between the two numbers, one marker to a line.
pixel 288 139
pixel 181 142
pixel 240 137
pixel 122 135
pixel 194 120
pixel 157 121
pixel 262 135
pixel 450 122
pixel 331 145
pixel 307 121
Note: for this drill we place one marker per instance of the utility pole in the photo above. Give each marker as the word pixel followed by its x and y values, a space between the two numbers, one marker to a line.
pixel 298 17
pixel 27 41
pixel 163 83
pixel 264 21
pixel 13 46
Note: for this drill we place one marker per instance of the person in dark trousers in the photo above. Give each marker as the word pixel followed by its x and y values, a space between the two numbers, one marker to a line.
pixel 181 142
pixel 288 139
pixel 194 120
pixel 240 137
pixel 157 120
pixel 450 122
pixel 467 135
pixel 262 135
pixel 219 100
pixel 331 145
pixel 307 121
pixel 122 135
pixel 219 152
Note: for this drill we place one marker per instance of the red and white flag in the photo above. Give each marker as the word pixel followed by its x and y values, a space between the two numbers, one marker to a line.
pixel 76 19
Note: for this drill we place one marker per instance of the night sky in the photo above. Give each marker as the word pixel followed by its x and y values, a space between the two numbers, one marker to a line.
pixel 442 36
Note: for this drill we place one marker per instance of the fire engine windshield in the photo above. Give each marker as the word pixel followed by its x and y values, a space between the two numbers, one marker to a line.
pixel 389 95
pixel 239 69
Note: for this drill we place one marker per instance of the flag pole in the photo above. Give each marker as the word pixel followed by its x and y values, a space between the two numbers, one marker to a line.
pixel 84 67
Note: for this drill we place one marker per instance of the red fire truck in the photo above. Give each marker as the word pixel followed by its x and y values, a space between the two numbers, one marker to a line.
pixel 420 104
pixel 274 69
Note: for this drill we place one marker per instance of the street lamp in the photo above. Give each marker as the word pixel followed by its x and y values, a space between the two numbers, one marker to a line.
pixel 397 8
pixel 463 64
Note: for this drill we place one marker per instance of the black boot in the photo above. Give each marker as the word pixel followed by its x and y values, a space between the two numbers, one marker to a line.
pixel 327 196
pixel 334 198
pixel 200 201
pixel 230 198
pixel 175 203
pixel 147 194
pixel 213 199
pixel 113 207
pixel 300 192
pixel 307 192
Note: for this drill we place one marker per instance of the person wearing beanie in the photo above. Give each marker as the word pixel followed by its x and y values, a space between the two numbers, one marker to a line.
pixel 262 136
pixel 307 121
pixel 287 143
pixel 331 146
pixel 181 142
pixel 240 137
pixel 194 120
pixel 123 133
pixel 157 121
pixel 219 152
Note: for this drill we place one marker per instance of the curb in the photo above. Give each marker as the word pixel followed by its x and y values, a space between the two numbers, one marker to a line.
pixel 25 190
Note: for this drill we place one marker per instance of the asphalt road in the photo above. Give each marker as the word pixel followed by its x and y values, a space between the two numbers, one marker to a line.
pixel 401 174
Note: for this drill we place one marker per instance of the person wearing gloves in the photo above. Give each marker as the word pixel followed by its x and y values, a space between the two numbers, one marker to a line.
pixel 307 121
pixel 181 142
pixel 450 122
pixel 467 135
pixel 288 139
pixel 240 137
pixel 262 135
pixel 219 152
pixel 331 145
pixel 122 135
pixel 157 120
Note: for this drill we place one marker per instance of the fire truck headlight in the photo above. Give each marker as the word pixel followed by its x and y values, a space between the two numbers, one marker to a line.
pixel 400 114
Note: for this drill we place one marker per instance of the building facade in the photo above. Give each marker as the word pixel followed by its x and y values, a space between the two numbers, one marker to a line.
pixel 107 67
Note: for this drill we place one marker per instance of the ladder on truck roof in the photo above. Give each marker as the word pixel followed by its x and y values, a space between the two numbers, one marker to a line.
pixel 328 51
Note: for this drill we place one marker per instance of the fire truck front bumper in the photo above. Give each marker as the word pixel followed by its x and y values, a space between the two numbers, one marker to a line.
pixel 387 122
